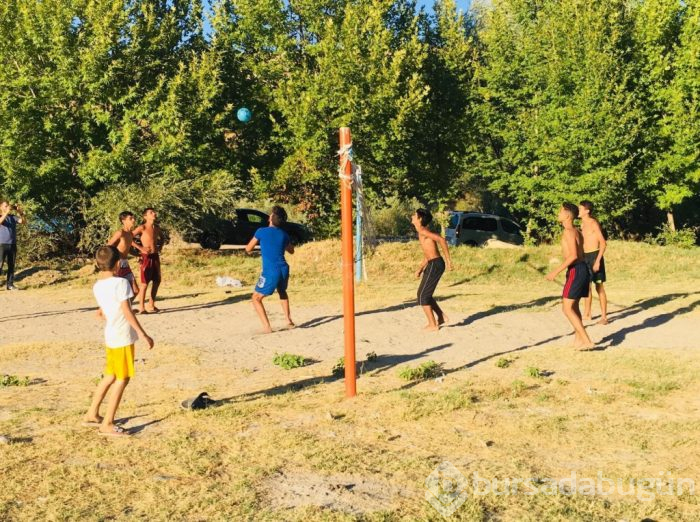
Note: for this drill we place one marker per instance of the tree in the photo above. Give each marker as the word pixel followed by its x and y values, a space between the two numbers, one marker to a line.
pixel 559 116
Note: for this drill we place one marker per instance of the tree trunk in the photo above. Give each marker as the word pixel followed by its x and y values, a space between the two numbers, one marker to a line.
pixel 671 221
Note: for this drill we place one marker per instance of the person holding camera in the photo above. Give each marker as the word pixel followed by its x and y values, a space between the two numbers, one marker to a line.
pixel 8 239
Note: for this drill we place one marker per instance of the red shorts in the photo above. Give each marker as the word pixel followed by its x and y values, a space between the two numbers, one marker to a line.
pixel 150 268
pixel 125 270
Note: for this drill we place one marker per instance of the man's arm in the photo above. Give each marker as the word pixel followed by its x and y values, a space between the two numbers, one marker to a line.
pixel 4 215
pixel 21 218
pixel 602 245
pixel 570 241
pixel 137 232
pixel 131 319
pixel 114 240
pixel 251 245
pixel 290 247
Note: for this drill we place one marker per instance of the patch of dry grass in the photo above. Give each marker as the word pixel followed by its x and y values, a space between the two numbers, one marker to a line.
pixel 626 413
pixel 237 461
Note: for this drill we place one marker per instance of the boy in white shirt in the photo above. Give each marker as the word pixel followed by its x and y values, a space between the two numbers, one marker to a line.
pixel 113 296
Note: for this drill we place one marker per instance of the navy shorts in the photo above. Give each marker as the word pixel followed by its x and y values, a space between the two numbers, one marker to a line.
pixel 275 278
pixel 578 281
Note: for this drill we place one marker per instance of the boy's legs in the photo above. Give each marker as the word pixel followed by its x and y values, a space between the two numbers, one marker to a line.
pixel 154 292
pixel 432 324
pixel 142 297
pixel 114 400
pixel 603 297
pixel 441 317
pixel 260 309
pixel 93 414
pixel 588 303
pixel 284 301
pixel 571 310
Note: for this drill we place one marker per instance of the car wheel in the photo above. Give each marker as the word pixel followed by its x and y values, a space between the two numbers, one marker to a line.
pixel 210 242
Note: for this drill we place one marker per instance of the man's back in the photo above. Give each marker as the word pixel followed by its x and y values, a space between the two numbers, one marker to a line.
pixel 273 242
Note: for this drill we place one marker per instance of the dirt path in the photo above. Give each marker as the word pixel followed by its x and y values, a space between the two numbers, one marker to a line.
pixel 221 328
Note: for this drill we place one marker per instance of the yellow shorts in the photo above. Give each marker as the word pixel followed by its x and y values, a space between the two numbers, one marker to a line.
pixel 120 362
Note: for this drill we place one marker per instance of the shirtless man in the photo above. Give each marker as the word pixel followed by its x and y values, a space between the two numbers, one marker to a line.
pixel 432 268
pixel 151 237
pixel 577 277
pixel 594 246
pixel 123 240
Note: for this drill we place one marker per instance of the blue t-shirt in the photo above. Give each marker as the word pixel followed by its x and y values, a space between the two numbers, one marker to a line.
pixel 8 230
pixel 272 241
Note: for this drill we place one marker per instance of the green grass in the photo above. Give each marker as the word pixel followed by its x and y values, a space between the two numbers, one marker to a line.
pixel 427 370
pixel 13 380
pixel 288 361
pixel 503 362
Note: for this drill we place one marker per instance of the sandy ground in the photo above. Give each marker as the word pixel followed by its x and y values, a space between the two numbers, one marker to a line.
pixel 219 329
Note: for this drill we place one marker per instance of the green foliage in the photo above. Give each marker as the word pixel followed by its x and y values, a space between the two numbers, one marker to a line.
pixel 13 380
pixel 124 104
pixel 503 362
pixel 427 370
pixel 394 218
pixel 683 238
pixel 559 116
pixel 535 373
pixel 339 367
pixel 288 361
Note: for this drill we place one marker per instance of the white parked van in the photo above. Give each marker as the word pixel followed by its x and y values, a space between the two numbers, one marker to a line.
pixel 475 228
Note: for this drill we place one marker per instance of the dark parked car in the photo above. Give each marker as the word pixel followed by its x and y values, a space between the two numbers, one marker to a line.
pixel 214 231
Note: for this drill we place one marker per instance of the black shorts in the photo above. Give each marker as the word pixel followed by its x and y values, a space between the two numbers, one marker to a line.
pixel 578 281
pixel 599 276
pixel 431 276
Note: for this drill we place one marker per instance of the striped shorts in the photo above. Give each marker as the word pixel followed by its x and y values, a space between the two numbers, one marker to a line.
pixel 431 276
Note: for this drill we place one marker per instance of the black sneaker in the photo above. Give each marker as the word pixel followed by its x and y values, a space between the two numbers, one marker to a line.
pixel 12 287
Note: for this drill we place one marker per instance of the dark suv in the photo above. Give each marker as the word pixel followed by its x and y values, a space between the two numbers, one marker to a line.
pixel 214 231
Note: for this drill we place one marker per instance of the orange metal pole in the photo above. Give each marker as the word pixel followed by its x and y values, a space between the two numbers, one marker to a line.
pixel 348 261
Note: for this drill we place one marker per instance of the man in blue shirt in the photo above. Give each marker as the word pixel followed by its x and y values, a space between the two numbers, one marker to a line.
pixel 8 240
pixel 275 271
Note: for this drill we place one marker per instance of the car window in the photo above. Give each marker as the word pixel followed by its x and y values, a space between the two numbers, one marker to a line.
pixel 454 219
pixel 251 217
pixel 509 227
pixel 480 223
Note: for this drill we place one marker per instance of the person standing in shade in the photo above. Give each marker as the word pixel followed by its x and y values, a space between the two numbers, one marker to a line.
pixel 8 239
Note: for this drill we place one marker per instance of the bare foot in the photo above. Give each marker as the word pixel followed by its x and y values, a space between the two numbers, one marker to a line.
pixel 431 328
pixel 267 330
pixel 584 346
pixel 153 310
pixel 113 431
pixel 92 421
pixel 290 325
pixel 587 317
pixel 603 320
